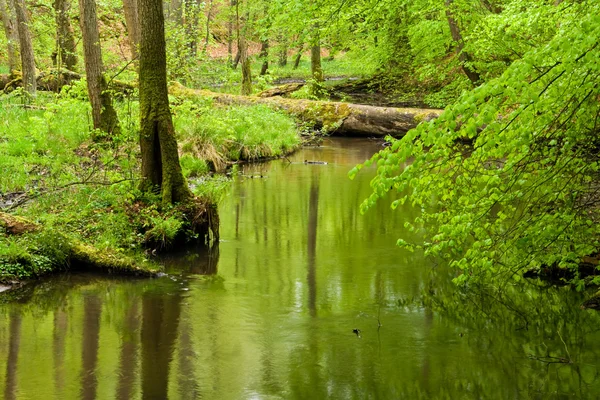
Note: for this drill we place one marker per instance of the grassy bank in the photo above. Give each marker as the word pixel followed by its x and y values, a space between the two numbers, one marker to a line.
pixel 83 196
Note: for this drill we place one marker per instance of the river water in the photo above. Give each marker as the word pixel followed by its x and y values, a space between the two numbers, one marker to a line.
pixel 304 298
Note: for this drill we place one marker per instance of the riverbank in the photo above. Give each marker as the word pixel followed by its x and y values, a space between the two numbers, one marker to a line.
pixel 78 201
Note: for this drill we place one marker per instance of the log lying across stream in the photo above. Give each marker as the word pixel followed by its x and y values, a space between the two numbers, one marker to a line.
pixel 336 117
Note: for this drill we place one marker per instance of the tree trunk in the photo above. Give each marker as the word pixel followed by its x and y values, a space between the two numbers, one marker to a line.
pixel 316 86
pixel 9 21
pixel 229 33
pixel 160 159
pixel 191 21
pixel 174 11
pixel 26 48
pixel 103 113
pixel 66 50
pixel 283 53
pixel 208 16
pixel 238 56
pixel 243 51
pixel 298 57
pixel 464 57
pixel 246 67
pixel 264 55
pixel 133 27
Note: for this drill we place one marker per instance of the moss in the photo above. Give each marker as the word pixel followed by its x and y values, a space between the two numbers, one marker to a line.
pixel 38 251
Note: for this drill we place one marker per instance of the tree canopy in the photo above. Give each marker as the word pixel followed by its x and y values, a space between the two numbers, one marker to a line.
pixel 507 177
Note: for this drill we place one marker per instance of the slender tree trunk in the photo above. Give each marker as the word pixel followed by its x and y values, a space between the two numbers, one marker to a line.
pixel 298 57
pixel 133 27
pixel 464 57
pixel 9 21
pixel 283 53
pixel 246 67
pixel 174 11
pixel 66 50
pixel 238 56
pixel 208 17
pixel 160 159
pixel 103 113
pixel 316 88
pixel 191 21
pixel 244 59
pixel 26 48
pixel 264 55
pixel 229 33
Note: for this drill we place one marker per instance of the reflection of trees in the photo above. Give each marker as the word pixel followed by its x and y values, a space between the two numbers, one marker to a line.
pixel 59 334
pixel 199 260
pixel 188 387
pixel 313 211
pixel 129 352
pixel 14 343
pixel 160 313
pixel 92 308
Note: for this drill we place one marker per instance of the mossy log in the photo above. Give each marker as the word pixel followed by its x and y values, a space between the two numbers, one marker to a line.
pixel 78 255
pixel 53 80
pixel 334 117
pixel 281 90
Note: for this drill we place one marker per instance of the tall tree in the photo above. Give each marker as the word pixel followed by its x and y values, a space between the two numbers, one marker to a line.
pixel 9 22
pixel 464 57
pixel 208 20
pixel 191 24
pixel 103 113
pixel 298 57
pixel 315 65
pixel 133 28
pixel 230 19
pixel 243 52
pixel 160 159
pixel 66 52
pixel 26 48
pixel 264 55
pixel 283 52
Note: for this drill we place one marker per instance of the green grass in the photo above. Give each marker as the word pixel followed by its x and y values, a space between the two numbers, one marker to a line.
pixel 85 192
pixel 221 134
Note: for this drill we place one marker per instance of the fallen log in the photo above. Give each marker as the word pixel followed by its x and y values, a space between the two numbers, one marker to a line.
pixel 54 80
pixel 281 90
pixel 332 117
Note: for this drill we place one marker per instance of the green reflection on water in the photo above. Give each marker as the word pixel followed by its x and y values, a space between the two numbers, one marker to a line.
pixel 297 270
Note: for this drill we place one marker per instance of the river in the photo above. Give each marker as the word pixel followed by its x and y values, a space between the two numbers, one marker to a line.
pixel 304 298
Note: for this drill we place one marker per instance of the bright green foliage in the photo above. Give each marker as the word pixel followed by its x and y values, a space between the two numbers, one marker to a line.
pixel 523 193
